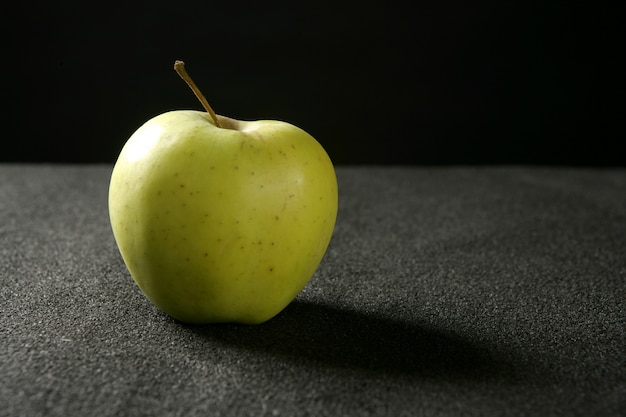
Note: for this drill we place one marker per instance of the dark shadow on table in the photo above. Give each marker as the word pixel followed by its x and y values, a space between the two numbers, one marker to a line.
pixel 329 336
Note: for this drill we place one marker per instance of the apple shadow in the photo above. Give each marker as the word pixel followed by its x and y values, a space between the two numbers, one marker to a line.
pixel 327 336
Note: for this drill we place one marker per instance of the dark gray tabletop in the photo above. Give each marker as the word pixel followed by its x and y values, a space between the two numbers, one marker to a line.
pixel 448 291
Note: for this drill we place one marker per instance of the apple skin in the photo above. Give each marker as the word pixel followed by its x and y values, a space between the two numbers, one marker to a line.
pixel 222 224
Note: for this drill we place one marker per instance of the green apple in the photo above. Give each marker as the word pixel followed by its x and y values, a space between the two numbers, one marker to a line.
pixel 221 220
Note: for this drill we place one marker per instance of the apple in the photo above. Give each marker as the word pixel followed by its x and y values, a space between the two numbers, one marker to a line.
pixel 221 220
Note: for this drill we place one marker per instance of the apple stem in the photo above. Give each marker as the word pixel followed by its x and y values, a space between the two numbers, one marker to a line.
pixel 179 67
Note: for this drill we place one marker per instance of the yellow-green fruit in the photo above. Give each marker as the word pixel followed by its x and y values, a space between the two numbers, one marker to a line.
pixel 222 224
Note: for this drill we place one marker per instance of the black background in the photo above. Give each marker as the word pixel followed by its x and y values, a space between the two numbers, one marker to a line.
pixel 450 82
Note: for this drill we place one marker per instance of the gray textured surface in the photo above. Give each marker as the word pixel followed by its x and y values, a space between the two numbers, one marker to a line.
pixel 445 292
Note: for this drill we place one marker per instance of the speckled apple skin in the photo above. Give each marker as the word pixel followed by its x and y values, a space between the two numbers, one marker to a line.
pixel 222 224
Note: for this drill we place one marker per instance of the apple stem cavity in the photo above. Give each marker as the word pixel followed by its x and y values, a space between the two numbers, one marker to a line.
pixel 179 67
